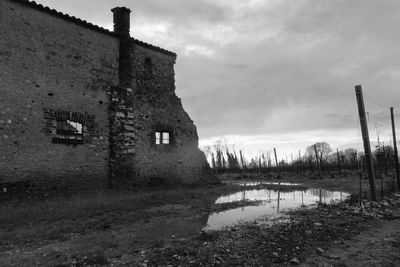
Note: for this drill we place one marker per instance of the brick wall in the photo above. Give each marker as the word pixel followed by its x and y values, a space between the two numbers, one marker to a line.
pixel 53 70
pixel 157 108
pixel 50 64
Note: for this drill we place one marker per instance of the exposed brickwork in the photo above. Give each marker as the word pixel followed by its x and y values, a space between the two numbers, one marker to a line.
pixel 157 108
pixel 48 63
pixel 53 69
pixel 123 136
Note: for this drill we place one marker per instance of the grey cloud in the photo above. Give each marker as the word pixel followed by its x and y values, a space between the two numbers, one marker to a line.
pixel 181 12
pixel 282 66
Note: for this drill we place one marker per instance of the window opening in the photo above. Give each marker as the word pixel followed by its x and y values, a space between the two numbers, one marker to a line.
pixel 165 138
pixel 148 68
pixel 68 129
pixel 162 138
pixel 158 138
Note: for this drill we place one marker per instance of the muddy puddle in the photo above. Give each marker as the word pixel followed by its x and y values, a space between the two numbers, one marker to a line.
pixel 268 203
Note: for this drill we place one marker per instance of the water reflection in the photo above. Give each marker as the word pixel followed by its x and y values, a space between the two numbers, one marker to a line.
pixel 273 202
pixel 265 183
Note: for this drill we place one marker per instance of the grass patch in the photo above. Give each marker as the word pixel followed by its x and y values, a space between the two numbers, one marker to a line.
pixel 57 218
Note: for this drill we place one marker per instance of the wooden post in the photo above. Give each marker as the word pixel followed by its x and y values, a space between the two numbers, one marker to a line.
pixel 381 186
pixel 320 196
pixel 277 164
pixel 367 145
pixel 360 192
pixel 293 168
pixel 300 165
pixel 396 156
pixel 319 166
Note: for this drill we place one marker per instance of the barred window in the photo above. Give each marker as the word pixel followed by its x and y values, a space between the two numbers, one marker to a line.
pixel 71 127
pixel 68 129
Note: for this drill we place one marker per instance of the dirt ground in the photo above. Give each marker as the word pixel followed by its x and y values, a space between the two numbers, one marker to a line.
pixel 308 238
pixel 378 245
pixel 162 227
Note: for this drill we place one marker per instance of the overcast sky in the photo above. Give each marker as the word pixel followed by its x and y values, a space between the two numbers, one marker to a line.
pixel 272 73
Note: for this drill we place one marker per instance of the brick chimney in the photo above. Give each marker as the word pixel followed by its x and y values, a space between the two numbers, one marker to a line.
pixel 121 21
pixel 121 28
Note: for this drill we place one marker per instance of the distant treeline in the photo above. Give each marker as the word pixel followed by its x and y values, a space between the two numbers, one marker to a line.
pixel 318 160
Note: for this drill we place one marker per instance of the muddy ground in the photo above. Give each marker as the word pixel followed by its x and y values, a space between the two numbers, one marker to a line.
pixel 162 227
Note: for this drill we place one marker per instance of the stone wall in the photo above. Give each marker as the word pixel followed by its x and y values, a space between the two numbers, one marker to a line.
pixel 156 108
pixel 56 69
pixel 49 65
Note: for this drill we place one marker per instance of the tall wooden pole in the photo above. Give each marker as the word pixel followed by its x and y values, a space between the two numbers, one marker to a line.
pixel 300 167
pixel 396 156
pixel 291 163
pixel 277 164
pixel 243 163
pixel 367 145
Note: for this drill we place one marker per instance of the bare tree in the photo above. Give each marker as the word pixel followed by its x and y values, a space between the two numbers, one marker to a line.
pixel 319 151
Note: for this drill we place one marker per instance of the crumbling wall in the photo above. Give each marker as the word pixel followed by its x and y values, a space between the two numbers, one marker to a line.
pixel 156 108
pixel 47 65
pixel 56 69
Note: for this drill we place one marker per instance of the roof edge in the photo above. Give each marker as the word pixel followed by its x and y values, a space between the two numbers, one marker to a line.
pixel 153 47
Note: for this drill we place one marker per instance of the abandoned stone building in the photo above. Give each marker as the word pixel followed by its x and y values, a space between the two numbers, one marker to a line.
pixel 82 105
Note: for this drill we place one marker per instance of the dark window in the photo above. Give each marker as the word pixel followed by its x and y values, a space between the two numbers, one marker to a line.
pixel 70 127
pixel 148 68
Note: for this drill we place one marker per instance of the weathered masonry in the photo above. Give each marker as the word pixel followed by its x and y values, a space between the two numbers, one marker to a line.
pixel 81 105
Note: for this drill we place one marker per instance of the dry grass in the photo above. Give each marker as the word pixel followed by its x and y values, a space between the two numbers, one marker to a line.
pixel 56 218
pixel 91 227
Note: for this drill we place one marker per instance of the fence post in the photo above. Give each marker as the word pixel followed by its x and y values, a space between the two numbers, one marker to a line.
pixel 277 164
pixel 367 145
pixel 396 156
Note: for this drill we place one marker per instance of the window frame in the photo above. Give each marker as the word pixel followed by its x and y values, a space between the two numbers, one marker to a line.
pixel 158 138
pixel 162 138
pixel 71 127
pixel 165 140
pixel 72 134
